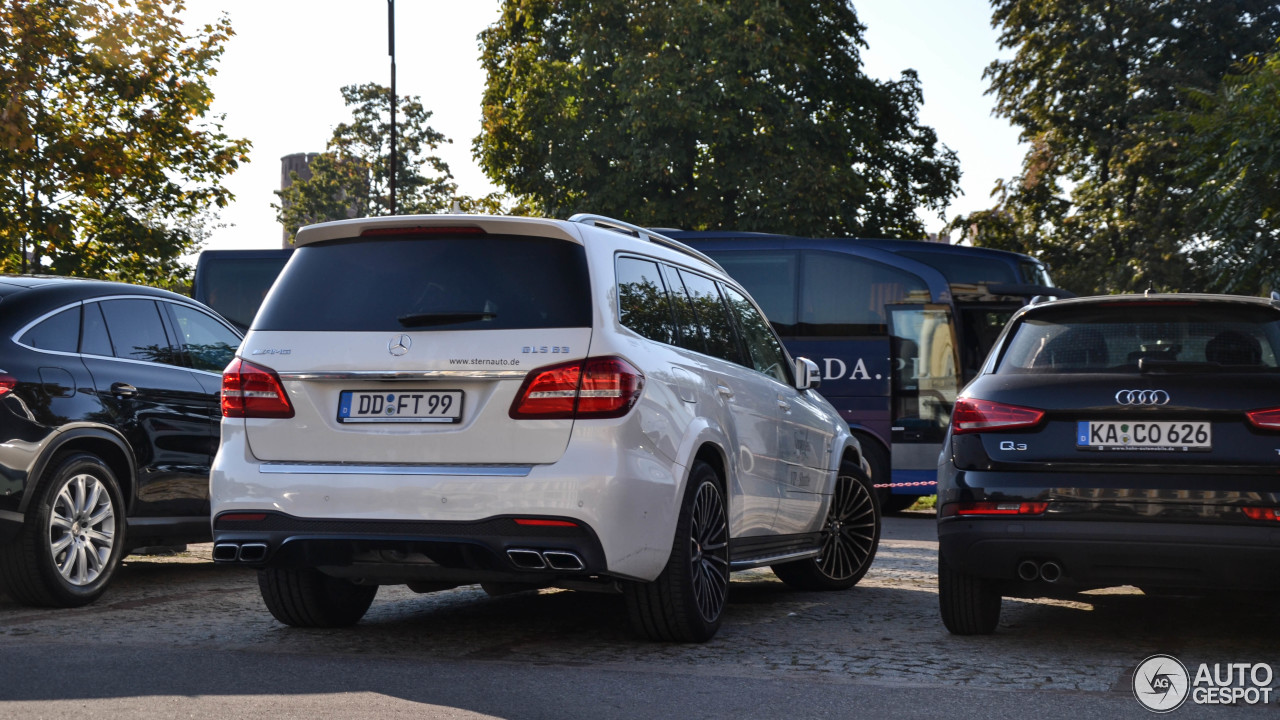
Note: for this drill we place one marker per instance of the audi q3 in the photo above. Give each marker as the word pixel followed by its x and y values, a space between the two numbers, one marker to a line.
pixel 1109 441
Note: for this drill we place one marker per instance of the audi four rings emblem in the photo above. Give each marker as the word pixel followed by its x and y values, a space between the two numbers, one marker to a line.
pixel 399 345
pixel 1142 397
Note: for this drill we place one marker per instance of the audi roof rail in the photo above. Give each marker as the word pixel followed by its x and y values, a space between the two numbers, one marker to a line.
pixel 626 228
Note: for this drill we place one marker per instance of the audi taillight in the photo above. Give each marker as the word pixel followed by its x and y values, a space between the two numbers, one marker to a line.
pixel 1261 513
pixel 971 415
pixel 999 508
pixel 592 388
pixel 7 383
pixel 1268 419
pixel 253 391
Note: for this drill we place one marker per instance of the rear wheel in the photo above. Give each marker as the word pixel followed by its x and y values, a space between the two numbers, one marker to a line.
pixel 306 597
pixel 850 537
pixel 970 605
pixel 685 602
pixel 71 544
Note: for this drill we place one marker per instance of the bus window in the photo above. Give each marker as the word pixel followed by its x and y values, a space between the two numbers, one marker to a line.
pixel 770 277
pixel 845 295
pixel 965 269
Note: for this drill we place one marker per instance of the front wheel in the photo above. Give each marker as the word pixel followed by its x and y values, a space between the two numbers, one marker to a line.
pixel 306 597
pixel 685 602
pixel 850 536
pixel 970 605
pixel 72 542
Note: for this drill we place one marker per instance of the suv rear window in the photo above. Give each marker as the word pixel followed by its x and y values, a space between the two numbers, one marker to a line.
pixel 1116 337
pixel 491 282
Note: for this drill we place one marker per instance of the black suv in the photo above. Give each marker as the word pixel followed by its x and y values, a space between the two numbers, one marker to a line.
pixel 1123 440
pixel 109 421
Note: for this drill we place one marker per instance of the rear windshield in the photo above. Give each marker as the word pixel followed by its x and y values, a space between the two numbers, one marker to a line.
pixel 1128 337
pixel 490 282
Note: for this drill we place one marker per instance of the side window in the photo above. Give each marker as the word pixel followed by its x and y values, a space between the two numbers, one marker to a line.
pixel 209 344
pixel 766 352
pixel 60 332
pixel 689 334
pixel 845 295
pixel 712 316
pixel 137 332
pixel 93 336
pixel 642 300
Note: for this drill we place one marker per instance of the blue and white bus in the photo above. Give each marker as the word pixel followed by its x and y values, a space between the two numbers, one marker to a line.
pixel 897 327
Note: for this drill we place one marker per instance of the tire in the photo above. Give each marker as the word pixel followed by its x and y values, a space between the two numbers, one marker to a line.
pixel 306 597
pixel 686 602
pixel 970 605
pixel 71 544
pixel 850 536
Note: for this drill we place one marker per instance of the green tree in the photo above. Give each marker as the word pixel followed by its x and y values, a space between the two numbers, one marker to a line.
pixel 352 178
pixel 1231 151
pixel 751 115
pixel 110 161
pixel 1101 195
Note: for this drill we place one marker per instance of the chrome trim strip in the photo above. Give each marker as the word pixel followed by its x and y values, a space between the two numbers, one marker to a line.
pixel 276 468
pixel 772 559
pixel 404 375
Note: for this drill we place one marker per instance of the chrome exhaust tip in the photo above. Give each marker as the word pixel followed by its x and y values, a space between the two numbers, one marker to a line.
pixel 527 559
pixel 253 552
pixel 1051 572
pixel 226 552
pixel 563 560
pixel 1028 571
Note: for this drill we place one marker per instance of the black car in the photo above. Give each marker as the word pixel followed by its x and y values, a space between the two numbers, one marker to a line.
pixel 1123 440
pixel 109 421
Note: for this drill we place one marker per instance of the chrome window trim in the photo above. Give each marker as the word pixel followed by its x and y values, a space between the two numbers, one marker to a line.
pixel 281 468
pixel 401 375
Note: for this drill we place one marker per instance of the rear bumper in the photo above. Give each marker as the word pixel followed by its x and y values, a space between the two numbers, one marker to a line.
pixel 1150 555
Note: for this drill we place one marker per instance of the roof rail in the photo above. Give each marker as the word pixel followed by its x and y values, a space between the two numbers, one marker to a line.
pixel 635 230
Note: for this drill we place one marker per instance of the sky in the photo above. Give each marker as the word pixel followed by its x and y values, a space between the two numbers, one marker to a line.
pixel 278 85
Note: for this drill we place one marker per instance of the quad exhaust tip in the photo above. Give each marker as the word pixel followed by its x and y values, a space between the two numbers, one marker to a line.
pixel 235 552
pixel 530 559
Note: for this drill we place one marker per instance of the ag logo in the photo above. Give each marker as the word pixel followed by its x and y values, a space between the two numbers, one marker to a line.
pixel 1161 683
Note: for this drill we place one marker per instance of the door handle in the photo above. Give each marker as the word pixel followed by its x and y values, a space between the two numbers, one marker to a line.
pixel 124 390
pixel 724 390
pixel 784 405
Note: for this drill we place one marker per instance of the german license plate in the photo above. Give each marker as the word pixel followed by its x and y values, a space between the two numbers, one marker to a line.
pixel 1166 436
pixel 401 406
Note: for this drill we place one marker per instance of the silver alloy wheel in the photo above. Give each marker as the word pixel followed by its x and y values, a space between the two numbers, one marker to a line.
pixel 710 552
pixel 82 529
pixel 849 535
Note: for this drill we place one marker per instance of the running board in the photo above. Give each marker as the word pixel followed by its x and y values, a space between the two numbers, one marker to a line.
pixel 755 562
pixel 760 551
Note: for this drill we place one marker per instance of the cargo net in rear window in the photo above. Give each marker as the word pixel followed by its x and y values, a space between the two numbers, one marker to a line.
pixel 1143 343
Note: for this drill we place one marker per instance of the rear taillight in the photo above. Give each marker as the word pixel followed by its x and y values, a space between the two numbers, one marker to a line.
pixel 252 391
pixel 1268 419
pixel 1260 513
pixel 592 388
pixel 1000 508
pixel 972 415
pixel 7 383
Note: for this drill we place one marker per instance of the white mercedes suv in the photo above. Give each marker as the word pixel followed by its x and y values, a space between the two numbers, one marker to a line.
pixel 444 400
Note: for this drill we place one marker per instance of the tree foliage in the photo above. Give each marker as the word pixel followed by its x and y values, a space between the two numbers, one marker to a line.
pixel 352 178
pixel 1092 85
pixel 748 115
pixel 1231 143
pixel 109 157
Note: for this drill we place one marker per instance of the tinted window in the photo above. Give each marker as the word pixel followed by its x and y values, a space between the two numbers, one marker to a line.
pixel 137 332
pixel 235 287
pixel 1117 337
pixel 60 332
pixel 843 295
pixel 960 267
pixel 210 345
pixel 93 338
pixel 762 345
pixel 642 300
pixel 689 332
pixel 486 282
pixel 771 278
pixel 711 316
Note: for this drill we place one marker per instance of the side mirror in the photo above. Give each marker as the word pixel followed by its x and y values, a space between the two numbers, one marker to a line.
pixel 807 374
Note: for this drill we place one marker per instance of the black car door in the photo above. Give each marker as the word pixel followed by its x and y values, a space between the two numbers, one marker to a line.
pixel 159 406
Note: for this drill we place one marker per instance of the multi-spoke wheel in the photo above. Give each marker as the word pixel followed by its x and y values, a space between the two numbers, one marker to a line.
pixel 73 539
pixel 685 602
pixel 850 536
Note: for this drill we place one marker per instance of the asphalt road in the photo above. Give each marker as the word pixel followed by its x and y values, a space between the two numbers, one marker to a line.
pixel 181 637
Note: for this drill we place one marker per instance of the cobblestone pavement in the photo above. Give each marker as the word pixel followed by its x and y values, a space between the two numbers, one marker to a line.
pixel 885 631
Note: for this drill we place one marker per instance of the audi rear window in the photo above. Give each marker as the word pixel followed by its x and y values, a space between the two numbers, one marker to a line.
pixel 489 282
pixel 1130 337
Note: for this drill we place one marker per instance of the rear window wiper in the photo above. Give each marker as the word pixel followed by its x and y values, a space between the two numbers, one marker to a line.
pixel 443 318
